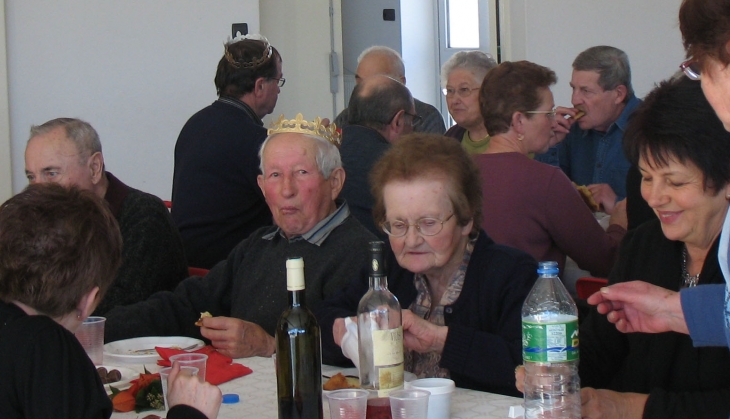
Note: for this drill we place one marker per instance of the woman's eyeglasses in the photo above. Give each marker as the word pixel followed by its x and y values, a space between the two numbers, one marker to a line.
pixel 691 69
pixel 550 114
pixel 462 91
pixel 426 226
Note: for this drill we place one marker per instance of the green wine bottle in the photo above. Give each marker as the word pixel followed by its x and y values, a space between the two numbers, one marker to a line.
pixel 298 352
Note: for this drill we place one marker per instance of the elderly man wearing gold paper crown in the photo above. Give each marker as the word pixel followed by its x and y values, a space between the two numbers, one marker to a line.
pixel 301 176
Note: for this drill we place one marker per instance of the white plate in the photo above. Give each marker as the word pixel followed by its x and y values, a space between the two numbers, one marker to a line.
pixel 124 350
pixel 128 375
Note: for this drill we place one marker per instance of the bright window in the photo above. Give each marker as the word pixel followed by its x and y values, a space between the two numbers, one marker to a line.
pixel 463 26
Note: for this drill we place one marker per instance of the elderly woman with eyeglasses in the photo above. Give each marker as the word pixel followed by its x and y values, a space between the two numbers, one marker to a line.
pixel 461 293
pixel 461 77
pixel 527 204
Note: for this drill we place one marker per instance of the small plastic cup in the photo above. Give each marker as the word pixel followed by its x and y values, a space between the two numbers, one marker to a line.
pixel 409 404
pixel 348 404
pixel 192 360
pixel 165 372
pixel 91 336
pixel 439 402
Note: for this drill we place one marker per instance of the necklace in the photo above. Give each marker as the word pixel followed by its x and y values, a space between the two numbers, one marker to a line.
pixel 689 281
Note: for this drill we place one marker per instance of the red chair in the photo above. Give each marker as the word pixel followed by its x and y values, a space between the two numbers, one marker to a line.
pixel 587 286
pixel 197 271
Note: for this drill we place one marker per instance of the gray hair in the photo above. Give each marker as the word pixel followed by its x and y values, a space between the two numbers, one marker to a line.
pixel 396 61
pixel 375 106
pixel 327 158
pixel 610 63
pixel 81 133
pixel 477 62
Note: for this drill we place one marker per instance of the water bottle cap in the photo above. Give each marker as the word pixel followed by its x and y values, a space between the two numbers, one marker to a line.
pixel 230 398
pixel 549 267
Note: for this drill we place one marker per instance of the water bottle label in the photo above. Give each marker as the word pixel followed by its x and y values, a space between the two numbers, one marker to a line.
pixel 388 346
pixel 549 342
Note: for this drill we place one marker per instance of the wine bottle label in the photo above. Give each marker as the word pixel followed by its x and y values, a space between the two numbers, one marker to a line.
pixel 388 347
pixel 550 342
pixel 389 379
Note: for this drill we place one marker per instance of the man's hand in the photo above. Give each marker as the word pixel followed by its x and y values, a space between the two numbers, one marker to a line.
pixel 192 391
pixel 638 306
pixel 562 124
pixel 607 404
pixel 237 338
pixel 604 195
pixel 421 336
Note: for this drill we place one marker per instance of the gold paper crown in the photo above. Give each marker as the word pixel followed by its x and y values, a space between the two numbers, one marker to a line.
pixel 301 126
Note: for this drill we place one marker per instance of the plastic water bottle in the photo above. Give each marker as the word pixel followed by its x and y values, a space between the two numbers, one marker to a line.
pixel 550 348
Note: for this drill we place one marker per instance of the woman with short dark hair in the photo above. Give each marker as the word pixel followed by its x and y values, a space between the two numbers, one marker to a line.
pixel 59 252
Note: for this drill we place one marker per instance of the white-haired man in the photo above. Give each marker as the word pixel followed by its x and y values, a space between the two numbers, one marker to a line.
pixel 301 177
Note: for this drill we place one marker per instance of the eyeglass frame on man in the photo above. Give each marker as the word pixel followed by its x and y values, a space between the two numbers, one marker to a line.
pixel 461 91
pixel 690 69
pixel 550 114
pixel 279 82
pixel 415 119
pixel 386 226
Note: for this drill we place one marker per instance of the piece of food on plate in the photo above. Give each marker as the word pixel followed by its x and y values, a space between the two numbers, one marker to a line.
pixel 108 377
pixel 202 316
pixel 587 196
pixel 339 381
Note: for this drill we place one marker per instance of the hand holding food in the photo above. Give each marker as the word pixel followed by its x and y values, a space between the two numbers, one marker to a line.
pixel 203 315
pixel 587 196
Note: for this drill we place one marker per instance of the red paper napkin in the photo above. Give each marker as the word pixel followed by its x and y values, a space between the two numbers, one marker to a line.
pixel 218 369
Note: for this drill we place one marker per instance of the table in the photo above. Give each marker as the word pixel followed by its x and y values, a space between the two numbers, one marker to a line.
pixel 257 392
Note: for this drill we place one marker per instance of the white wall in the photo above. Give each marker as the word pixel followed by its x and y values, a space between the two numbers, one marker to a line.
pixel 6 185
pixel 553 32
pixel 300 30
pixel 135 69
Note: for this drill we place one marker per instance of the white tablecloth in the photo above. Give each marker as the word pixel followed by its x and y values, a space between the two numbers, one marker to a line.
pixel 257 392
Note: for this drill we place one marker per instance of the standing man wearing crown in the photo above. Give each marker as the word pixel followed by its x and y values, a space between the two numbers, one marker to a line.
pixel 301 177
pixel 215 200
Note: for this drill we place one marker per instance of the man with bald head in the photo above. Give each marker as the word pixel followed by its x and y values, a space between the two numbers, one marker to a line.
pixel 383 60
pixel 301 178
pixel 67 151
pixel 381 111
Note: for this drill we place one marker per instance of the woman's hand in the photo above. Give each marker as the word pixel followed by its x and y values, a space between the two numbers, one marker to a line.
pixel 421 336
pixel 607 404
pixel 190 390
pixel 339 329
pixel 237 338
pixel 619 216
pixel 637 306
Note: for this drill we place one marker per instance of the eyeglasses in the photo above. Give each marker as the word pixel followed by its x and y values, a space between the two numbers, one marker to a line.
pixel 461 91
pixel 279 82
pixel 550 114
pixel 691 69
pixel 415 119
pixel 426 226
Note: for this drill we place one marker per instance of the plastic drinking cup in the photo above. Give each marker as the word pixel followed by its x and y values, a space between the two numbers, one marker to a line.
pixel 409 404
pixel 91 336
pixel 165 372
pixel 348 404
pixel 439 402
pixel 192 360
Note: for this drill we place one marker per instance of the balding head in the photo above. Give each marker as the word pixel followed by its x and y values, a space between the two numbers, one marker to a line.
pixel 378 102
pixel 380 60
